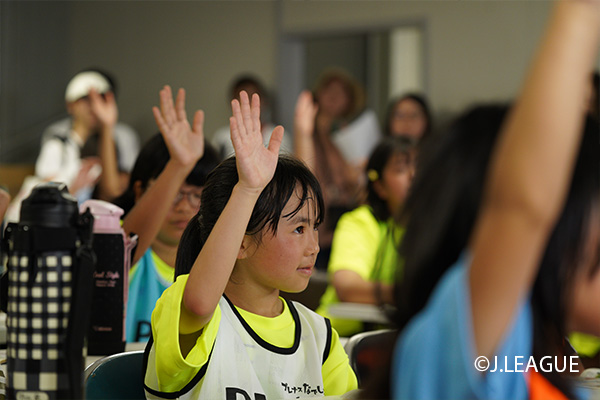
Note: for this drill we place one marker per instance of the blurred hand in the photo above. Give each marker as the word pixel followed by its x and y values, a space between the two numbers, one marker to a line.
pixel 88 174
pixel 4 202
pixel 304 115
pixel 185 142
pixel 104 108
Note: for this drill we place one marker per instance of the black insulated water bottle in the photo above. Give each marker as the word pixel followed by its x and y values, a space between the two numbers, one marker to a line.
pixel 50 275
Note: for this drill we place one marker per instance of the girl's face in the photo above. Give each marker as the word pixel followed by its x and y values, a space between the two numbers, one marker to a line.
pixel 333 99
pixel 584 315
pixel 286 260
pixel 408 119
pixel 81 111
pixel 395 180
pixel 185 205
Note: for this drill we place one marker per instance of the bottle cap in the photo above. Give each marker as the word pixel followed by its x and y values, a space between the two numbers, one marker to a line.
pixel 107 216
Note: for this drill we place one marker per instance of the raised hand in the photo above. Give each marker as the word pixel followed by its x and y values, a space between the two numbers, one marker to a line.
pixel 105 109
pixel 4 202
pixel 255 163
pixel 185 142
pixel 88 175
pixel 304 115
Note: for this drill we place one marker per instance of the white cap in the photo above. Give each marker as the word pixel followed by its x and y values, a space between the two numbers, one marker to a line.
pixel 81 84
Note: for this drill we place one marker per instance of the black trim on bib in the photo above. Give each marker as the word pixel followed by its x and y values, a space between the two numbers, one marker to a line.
pixel 264 344
pixel 328 341
pixel 191 384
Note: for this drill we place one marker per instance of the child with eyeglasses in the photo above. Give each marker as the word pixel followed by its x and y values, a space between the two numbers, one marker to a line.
pixel 162 196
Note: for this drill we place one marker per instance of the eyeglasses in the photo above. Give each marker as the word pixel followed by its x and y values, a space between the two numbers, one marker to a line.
pixel 192 198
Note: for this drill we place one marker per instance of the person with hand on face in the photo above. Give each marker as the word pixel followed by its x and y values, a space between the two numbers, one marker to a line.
pixel 162 196
pixel 81 119
pixel 93 109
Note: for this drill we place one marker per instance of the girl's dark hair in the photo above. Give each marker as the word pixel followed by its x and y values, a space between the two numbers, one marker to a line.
pixel 440 210
pixel 421 100
pixel 290 175
pixel 153 158
pixel 245 80
pixel 565 252
pixel 596 94
pixel 444 203
pixel 387 148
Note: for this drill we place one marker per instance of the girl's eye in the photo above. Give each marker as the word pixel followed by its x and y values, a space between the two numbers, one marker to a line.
pixel 299 229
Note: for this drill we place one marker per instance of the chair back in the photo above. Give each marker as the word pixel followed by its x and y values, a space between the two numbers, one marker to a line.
pixel 118 376
pixel 369 351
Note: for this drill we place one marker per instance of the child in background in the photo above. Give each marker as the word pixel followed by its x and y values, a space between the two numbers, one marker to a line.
pixel 527 269
pixel 221 139
pixel 162 196
pixel 408 115
pixel 93 109
pixel 223 329
pixel 363 263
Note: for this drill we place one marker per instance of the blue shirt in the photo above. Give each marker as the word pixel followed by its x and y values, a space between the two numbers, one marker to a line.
pixel 435 354
pixel 145 288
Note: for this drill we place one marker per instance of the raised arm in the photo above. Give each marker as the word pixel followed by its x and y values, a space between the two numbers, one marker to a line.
pixel 186 147
pixel 4 202
pixel 256 166
pixel 105 109
pixel 530 171
pixel 304 128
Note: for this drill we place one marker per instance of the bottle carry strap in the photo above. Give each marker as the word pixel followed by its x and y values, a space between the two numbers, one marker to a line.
pixel 79 315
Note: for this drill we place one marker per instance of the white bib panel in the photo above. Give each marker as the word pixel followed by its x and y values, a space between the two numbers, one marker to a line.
pixel 242 366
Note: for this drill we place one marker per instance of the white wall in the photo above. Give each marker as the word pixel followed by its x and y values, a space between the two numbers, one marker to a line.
pixel 474 50
pixel 33 74
pixel 199 45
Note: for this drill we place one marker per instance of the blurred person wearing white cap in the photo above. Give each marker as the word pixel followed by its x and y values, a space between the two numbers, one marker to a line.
pixel 84 123
pixel 93 110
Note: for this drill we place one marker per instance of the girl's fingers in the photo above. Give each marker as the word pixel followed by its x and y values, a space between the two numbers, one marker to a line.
pixel 234 132
pixel 109 98
pixel 237 115
pixel 160 122
pixel 166 105
pixel 276 139
pixel 255 110
pixel 246 112
pixel 180 105
pixel 199 122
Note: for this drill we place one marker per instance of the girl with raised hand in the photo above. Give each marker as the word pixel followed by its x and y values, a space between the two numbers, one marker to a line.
pixel 524 245
pixel 221 329
pixel 163 195
pixel 363 264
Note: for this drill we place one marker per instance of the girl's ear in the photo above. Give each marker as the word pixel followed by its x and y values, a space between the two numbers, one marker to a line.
pixel 246 248
pixel 137 190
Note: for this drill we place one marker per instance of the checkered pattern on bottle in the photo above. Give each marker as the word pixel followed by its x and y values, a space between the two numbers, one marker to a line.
pixel 39 301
